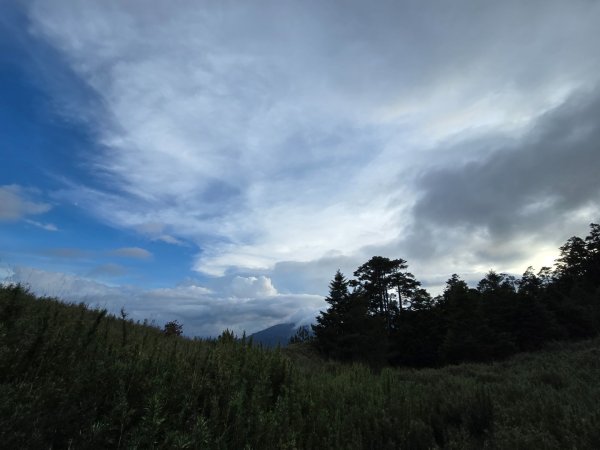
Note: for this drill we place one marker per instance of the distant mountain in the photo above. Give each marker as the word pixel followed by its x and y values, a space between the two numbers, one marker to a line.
pixel 277 334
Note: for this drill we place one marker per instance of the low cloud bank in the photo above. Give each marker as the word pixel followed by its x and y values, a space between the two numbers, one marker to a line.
pixel 256 304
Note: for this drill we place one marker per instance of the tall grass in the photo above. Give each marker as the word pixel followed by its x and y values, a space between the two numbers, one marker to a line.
pixel 72 377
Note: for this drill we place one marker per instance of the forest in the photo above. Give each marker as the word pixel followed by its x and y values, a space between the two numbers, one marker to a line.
pixel 72 377
pixel 384 316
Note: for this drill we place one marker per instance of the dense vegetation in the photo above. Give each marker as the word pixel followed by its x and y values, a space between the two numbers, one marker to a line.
pixel 388 318
pixel 74 377
pixel 71 377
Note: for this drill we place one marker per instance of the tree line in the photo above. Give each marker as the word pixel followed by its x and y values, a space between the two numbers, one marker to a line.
pixel 384 316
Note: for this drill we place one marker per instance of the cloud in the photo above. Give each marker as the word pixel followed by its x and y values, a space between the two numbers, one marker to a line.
pixel 202 312
pixel 168 239
pixel 314 276
pixel 543 187
pixel 272 136
pixel 509 208
pixel 551 172
pixel 16 203
pixel 67 286
pixel 247 287
pixel 43 226
pixel 132 252
pixel 156 232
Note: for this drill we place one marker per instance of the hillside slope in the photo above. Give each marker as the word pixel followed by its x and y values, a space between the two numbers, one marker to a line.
pixel 279 334
pixel 77 378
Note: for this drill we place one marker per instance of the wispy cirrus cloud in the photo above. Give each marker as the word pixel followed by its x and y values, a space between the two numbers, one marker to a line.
pixel 42 225
pixel 273 135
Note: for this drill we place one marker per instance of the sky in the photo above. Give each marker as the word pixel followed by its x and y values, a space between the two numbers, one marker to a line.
pixel 216 162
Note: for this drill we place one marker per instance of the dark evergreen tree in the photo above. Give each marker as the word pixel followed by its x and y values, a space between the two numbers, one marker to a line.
pixel 534 323
pixel 573 295
pixel 330 323
pixel 530 284
pixel 592 244
pixel 416 333
pixel 363 335
pixel 302 335
pixel 467 336
pixel 387 285
pixel 572 263
pixel 346 330
pixel 421 300
pixel 389 314
pixel 545 276
pixel 499 307
pixel 173 328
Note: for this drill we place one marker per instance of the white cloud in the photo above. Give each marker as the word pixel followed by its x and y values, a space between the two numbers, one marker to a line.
pixel 16 203
pixel 168 239
pixel 268 132
pixel 203 312
pixel 247 287
pixel 43 226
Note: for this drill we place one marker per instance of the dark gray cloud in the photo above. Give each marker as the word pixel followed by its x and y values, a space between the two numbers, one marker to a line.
pixel 503 202
pixel 547 176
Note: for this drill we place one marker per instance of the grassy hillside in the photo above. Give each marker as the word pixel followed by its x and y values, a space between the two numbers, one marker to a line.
pixel 77 378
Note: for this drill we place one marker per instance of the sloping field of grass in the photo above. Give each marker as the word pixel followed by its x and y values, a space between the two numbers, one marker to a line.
pixel 71 377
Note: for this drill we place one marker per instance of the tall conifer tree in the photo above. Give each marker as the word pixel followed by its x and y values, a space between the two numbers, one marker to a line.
pixel 330 324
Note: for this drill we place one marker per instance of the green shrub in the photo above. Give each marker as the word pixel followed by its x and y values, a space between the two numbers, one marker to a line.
pixel 72 377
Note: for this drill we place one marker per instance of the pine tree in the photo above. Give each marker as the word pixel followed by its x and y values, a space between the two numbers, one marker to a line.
pixel 302 335
pixel 173 328
pixel 329 326
pixel 468 337
pixel 534 324
pixel 387 285
pixel 346 330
